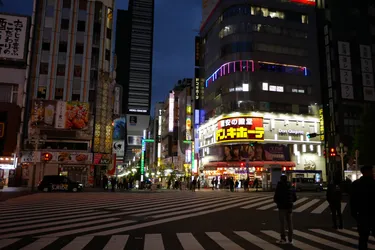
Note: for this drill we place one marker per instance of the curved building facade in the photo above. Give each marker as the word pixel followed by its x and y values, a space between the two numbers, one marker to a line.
pixel 261 57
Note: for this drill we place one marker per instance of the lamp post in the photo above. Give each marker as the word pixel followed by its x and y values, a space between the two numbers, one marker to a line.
pixel 342 151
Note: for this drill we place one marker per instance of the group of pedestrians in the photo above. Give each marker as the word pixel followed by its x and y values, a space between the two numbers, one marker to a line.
pixel 362 205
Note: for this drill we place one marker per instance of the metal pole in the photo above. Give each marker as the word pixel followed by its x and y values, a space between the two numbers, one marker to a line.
pixel 34 165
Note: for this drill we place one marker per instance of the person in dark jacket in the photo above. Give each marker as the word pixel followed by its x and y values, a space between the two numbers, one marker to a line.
pixel 362 204
pixel 334 196
pixel 284 197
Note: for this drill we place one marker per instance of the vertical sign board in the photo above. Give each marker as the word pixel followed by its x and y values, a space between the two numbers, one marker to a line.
pixel 197 51
pixel 321 124
pixel 171 112
pixel 345 65
pixel 13 37
pixel 143 157
pixel 367 73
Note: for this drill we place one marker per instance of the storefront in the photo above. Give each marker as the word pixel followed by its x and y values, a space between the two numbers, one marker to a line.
pixel 103 165
pixel 259 145
pixel 8 171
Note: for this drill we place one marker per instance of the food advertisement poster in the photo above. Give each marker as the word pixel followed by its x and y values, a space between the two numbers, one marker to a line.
pixel 60 115
pixel 70 157
pixel 102 159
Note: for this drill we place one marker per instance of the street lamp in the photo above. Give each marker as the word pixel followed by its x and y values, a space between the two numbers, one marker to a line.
pixel 342 151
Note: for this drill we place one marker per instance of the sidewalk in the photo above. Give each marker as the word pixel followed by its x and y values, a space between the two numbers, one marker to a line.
pixel 13 192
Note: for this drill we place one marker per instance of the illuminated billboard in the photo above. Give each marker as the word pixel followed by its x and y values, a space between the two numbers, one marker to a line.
pixel 171 112
pixel 236 129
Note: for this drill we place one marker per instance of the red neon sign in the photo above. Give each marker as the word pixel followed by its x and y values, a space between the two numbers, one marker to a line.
pixel 307 2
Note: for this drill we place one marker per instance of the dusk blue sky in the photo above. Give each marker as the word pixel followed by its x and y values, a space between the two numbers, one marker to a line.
pixel 176 25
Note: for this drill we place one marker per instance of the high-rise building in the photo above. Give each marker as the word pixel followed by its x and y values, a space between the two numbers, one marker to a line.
pixel 262 91
pixel 134 47
pixel 347 50
pixel 71 89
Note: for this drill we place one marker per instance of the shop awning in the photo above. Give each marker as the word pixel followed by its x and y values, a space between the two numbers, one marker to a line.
pixel 267 164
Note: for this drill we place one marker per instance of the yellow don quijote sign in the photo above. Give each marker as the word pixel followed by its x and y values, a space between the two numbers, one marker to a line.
pixel 237 129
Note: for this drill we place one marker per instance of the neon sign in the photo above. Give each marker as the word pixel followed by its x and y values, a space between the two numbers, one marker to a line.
pixel 240 129
pixel 171 112
pixel 307 2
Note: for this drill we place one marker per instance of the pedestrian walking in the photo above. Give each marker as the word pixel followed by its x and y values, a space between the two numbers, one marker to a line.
pixel 362 204
pixel 193 185
pixel 213 183
pixel 105 182
pixel 237 185
pixel 284 197
pixel 256 183
pixel 113 183
pixel 334 196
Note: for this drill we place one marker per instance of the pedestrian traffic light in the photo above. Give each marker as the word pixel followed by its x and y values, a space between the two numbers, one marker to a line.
pixel 311 135
pixel 47 157
pixel 332 152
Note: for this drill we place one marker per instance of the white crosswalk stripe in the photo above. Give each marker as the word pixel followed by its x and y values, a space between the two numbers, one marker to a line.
pixel 312 239
pixel 306 206
pixel 58 215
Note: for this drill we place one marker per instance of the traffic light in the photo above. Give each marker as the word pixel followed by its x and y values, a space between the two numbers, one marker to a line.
pixel 311 135
pixel 332 152
pixel 47 157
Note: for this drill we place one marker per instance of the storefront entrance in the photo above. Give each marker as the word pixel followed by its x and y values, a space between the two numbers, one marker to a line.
pixel 77 173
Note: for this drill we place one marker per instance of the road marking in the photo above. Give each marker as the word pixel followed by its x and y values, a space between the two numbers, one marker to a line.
pixel 199 208
pixel 321 240
pixel 354 233
pixel 257 241
pixel 223 241
pixel 161 221
pixel 153 242
pixel 296 203
pixel 39 244
pixel 340 237
pixel 44 230
pixel 78 243
pixel 116 242
pixel 7 242
pixel 93 228
pixel 296 243
pixel 189 242
pixel 321 208
pixel 306 206
pixel 267 206
pixel 257 204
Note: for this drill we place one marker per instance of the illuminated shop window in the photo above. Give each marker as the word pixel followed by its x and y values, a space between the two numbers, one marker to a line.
pixel 272 88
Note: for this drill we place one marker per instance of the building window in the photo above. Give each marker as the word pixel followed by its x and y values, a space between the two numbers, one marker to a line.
pixel 91 95
pixel 59 93
pixel 282 68
pixel 60 70
pixel 272 87
pixel 67 4
pixel 42 91
pixel 305 19
pixel 81 26
pixel 77 71
pixel 46 46
pixel 64 24
pixel 43 70
pixel 109 33
pixel 298 90
pixel 63 47
pixel 280 49
pixel 76 97
pixel 79 48
pixel 107 55
pixel 49 11
pixel 82 4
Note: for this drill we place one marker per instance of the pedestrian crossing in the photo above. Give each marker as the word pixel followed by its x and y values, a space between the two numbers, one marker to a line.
pixel 61 215
pixel 309 239
pixel 303 204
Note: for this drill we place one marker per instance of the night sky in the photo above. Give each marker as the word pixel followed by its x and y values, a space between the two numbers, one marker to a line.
pixel 176 25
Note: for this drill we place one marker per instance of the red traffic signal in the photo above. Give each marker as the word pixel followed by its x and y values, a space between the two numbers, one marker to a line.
pixel 46 157
pixel 332 152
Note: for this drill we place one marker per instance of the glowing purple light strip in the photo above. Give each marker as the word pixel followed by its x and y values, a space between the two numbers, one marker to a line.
pixel 225 70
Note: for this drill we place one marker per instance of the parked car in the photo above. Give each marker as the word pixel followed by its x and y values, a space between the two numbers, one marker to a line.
pixel 306 184
pixel 59 183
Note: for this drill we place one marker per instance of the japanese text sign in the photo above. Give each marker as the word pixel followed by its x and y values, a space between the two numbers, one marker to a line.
pixel 12 36
pixel 240 129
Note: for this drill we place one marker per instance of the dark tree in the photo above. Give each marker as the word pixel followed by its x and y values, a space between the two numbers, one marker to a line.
pixel 365 138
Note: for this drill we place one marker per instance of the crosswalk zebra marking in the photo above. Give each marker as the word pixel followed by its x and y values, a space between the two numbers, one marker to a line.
pixel 296 243
pixel 39 244
pixel 78 243
pixel 337 236
pixel 257 241
pixel 257 204
pixel 7 242
pixel 267 206
pixel 199 208
pixel 154 242
pixel 321 208
pixel 296 203
pixel 223 241
pixel 306 206
pixel 116 242
pixel 355 234
pixel 188 242
pixel 321 240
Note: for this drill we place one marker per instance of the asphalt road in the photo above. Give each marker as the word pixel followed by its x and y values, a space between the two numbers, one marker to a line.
pixel 167 220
